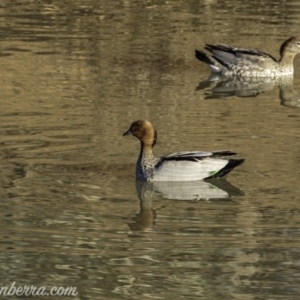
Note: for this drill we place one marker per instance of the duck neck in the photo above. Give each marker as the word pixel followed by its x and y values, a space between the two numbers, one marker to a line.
pixel 147 144
pixel 287 60
pixel 146 152
pixel 287 54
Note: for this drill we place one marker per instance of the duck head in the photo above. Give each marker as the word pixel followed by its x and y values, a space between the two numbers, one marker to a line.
pixel 144 131
pixel 290 47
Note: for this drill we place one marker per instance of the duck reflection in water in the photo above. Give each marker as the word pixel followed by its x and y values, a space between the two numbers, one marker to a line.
pixel 218 189
pixel 219 86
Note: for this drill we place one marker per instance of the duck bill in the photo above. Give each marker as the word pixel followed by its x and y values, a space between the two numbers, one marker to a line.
pixel 128 132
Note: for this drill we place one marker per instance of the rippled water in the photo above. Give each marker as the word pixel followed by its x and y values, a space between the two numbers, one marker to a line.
pixel 74 76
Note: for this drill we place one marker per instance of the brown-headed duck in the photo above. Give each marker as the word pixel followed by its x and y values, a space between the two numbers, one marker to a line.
pixel 180 166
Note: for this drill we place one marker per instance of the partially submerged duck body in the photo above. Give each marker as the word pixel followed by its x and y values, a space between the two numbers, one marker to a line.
pixel 181 166
pixel 227 60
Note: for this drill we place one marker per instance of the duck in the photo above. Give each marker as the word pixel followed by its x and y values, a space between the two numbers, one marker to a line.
pixel 180 166
pixel 231 61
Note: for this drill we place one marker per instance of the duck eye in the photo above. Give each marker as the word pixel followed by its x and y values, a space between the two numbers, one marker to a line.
pixel 298 43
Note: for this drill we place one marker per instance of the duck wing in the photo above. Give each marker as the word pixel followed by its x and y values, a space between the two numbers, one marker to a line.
pixel 194 165
pixel 188 155
pixel 196 155
pixel 227 54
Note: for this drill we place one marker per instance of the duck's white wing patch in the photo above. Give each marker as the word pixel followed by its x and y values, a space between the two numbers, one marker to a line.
pixel 188 170
pixel 188 154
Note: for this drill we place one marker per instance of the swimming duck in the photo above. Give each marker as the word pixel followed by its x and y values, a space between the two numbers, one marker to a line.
pixel 228 60
pixel 181 166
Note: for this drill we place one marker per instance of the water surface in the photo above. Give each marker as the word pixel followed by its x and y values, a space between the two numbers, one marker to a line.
pixel 74 77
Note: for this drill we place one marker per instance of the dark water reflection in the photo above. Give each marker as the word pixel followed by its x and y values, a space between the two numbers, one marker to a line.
pixel 222 87
pixel 186 191
pixel 74 76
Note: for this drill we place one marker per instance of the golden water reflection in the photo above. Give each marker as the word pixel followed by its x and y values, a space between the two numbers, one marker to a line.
pixel 74 75
pixel 222 87
pixel 228 246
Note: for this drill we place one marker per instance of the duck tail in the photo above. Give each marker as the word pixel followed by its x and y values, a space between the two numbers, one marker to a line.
pixel 223 153
pixel 203 57
pixel 232 163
